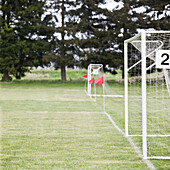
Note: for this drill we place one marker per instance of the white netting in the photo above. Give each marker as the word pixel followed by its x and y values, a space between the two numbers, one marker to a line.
pixel 157 92
pixel 153 44
pixel 96 71
pixel 107 96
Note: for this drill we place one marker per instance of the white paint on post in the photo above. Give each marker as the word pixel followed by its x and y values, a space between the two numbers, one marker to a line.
pixel 126 86
pixel 144 102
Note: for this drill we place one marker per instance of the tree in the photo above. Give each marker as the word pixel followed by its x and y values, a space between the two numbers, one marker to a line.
pixel 93 36
pixel 99 34
pixel 159 12
pixel 25 36
pixel 7 41
pixel 125 20
pixel 136 15
pixel 64 52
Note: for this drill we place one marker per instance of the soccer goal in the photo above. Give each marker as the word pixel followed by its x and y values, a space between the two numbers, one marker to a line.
pixel 94 71
pixel 147 92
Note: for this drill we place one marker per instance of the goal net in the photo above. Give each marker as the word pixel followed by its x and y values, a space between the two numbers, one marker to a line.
pixel 95 71
pixel 147 92
pixel 107 96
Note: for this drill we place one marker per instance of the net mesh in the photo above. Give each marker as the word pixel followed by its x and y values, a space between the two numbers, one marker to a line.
pixel 109 96
pixel 158 94
pixel 96 71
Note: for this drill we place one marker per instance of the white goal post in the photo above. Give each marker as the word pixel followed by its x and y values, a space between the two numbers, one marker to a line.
pixel 96 71
pixel 147 92
pixel 93 70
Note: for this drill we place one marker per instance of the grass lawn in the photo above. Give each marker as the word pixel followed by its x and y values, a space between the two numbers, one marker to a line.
pixel 46 124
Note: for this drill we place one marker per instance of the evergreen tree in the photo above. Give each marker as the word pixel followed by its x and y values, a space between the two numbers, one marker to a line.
pixel 135 15
pixel 94 38
pixel 7 40
pixel 159 12
pixel 98 34
pixel 25 36
pixel 125 21
pixel 64 53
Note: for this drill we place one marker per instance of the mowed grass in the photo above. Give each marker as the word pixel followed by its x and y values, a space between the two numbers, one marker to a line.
pixel 52 125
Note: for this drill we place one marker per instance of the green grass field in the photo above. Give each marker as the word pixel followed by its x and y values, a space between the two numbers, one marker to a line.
pixel 47 124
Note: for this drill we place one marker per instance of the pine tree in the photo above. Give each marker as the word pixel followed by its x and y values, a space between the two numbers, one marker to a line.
pixel 97 35
pixel 94 38
pixel 6 41
pixel 130 18
pixel 159 12
pixel 64 53
pixel 25 36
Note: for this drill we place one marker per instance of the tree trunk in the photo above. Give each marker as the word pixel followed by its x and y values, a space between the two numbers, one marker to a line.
pixel 63 69
pixel 6 76
pixel 63 73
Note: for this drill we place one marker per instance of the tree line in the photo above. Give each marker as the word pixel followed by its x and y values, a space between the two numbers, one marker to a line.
pixel 72 32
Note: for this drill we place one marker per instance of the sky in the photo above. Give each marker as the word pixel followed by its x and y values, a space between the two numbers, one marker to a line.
pixel 111 4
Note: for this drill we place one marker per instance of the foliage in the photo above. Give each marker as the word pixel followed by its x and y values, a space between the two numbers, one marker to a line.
pixel 159 12
pixel 25 35
pixel 99 34
pixel 96 43
pixel 85 34
pixel 64 52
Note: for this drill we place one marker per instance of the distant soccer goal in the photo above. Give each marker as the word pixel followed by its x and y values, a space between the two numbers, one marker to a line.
pixel 96 73
pixel 147 92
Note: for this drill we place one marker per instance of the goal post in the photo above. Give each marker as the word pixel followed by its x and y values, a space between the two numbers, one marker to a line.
pixel 147 91
pixel 93 71
pixel 96 71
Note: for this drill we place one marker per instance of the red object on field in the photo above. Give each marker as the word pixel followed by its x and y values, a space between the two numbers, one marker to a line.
pixel 85 76
pixel 99 81
pixel 91 81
